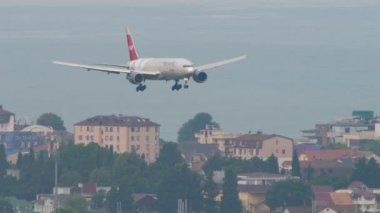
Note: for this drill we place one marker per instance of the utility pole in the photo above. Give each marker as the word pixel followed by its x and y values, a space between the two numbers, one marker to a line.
pixel 56 159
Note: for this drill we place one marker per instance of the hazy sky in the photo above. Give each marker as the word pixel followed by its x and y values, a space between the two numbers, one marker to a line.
pixel 308 62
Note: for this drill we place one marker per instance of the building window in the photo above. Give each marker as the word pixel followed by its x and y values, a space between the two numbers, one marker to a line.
pixel 111 138
pixel 147 128
pixel 81 127
pixel 156 129
pixel 92 138
pixel 88 128
pixel 132 138
pixel 147 138
pixel 80 137
pixel 117 147
pixel 283 151
pixel 138 138
pixel 106 129
pixel 117 138
pixel 117 129
pixel 111 129
pixel 132 129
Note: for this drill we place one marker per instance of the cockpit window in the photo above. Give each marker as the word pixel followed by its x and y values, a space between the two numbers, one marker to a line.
pixel 188 65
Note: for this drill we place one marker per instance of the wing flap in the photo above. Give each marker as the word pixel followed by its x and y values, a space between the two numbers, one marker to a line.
pixel 108 68
pixel 219 63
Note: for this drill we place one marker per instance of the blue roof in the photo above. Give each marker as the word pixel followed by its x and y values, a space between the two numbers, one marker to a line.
pixel 10 152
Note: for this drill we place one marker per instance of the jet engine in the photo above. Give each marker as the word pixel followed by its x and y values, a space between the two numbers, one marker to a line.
pixel 135 78
pixel 199 77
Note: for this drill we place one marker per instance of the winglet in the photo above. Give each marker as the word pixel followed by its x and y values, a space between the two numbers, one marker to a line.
pixel 131 47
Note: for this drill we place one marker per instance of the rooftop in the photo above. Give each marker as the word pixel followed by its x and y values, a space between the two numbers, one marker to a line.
pixel 116 120
pixel 5 115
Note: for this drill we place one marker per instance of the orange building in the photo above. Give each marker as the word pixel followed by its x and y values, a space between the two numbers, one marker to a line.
pixel 122 133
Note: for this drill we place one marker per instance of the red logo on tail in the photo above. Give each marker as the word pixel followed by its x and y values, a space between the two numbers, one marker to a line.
pixel 131 47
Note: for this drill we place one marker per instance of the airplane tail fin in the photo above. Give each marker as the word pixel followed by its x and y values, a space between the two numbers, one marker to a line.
pixel 131 47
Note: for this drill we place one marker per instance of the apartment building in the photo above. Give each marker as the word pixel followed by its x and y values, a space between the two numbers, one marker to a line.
pixel 260 145
pixel 122 133
pixel 212 134
pixel 7 120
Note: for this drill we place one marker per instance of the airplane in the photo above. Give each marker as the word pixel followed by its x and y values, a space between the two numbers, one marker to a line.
pixel 138 70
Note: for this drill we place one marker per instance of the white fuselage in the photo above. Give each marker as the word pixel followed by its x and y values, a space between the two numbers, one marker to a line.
pixel 168 68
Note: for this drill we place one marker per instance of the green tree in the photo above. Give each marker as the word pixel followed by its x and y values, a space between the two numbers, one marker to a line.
pixel 230 200
pixel 187 131
pixel 295 165
pixel 360 171
pixel 272 165
pixel 336 181
pixel 372 179
pixel 75 204
pixel 309 173
pixel 179 183
pixel 101 176
pixel 5 206
pixel 51 119
pixel 119 199
pixel 210 191
pixel 98 200
pixel 131 171
pixel 170 155
pixel 3 161
pixel 289 193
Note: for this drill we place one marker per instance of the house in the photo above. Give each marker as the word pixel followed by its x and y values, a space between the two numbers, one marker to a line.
pixel 144 202
pixel 253 198
pixel 340 167
pixel 260 145
pixel 45 203
pixel 121 133
pixel 7 120
pixel 330 154
pixel 252 188
pixel 262 178
pixel 212 134
pixel 196 155
pixel 21 141
pixel 297 209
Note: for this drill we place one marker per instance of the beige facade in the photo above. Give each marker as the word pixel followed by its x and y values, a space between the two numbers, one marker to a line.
pixel 122 133
pixel 7 120
pixel 214 135
pixel 261 146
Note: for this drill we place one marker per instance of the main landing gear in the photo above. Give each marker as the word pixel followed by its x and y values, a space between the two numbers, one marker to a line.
pixel 178 86
pixel 140 88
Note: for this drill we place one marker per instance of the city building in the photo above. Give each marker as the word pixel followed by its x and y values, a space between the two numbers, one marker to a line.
pixel 122 133
pixel 212 134
pixel 260 145
pixel 7 120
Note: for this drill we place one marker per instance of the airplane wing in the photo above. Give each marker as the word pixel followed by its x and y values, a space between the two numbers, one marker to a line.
pixel 108 68
pixel 219 63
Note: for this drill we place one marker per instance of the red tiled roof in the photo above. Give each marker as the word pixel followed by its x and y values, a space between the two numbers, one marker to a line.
pixel 261 175
pixel 341 198
pixel 321 189
pixel 332 154
pixel 323 199
pixel 42 147
pixel 138 196
pixel 356 184
pixel 88 188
